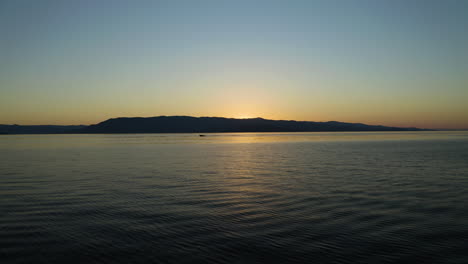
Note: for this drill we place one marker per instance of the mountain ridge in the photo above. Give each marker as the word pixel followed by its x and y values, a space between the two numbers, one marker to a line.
pixel 204 124
pixel 189 124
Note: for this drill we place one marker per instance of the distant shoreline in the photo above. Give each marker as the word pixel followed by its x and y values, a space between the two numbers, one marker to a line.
pixel 195 133
pixel 189 124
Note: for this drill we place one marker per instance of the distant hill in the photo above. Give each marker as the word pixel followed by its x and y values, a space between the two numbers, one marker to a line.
pixel 46 129
pixel 188 124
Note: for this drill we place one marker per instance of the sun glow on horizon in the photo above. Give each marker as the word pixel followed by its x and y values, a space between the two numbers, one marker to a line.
pixel 244 116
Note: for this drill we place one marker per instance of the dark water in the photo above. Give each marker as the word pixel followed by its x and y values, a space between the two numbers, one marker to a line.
pixel 235 198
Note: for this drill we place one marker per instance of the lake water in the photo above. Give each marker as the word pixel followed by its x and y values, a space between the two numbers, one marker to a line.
pixel 399 197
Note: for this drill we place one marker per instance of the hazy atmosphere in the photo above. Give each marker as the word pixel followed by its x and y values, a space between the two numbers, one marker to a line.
pixel 234 132
pixel 395 63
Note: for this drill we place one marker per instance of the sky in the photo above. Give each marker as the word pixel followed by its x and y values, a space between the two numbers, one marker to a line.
pixel 397 63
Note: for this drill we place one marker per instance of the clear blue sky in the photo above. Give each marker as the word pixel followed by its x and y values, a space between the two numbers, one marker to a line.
pixel 402 63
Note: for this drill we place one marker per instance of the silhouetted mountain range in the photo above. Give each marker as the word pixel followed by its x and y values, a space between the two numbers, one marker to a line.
pixel 188 124
pixel 41 129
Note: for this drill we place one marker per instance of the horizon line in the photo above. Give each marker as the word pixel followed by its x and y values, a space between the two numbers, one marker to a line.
pixel 239 118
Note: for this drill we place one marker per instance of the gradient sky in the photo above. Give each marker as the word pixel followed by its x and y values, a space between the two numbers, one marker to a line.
pixel 400 63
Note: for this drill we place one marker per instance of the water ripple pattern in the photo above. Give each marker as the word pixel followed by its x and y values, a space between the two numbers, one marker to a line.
pixel 235 198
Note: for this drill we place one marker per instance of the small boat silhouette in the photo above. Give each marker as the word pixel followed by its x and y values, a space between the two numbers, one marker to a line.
pixel 201 135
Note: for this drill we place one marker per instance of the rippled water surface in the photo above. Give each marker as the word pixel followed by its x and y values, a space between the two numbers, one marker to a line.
pixel 235 198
